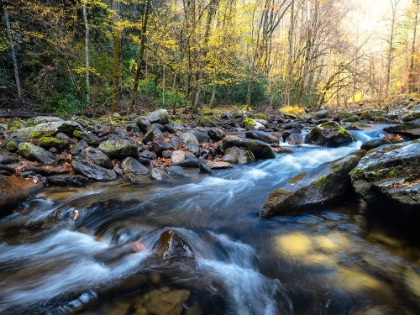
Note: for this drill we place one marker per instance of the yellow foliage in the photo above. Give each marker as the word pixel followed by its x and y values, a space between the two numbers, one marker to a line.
pixel 294 110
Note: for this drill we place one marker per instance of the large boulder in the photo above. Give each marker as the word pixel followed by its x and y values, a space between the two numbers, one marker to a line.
pixel 46 130
pixel 133 166
pixel 388 177
pixel 119 148
pixel 260 149
pixel 153 133
pixel 326 184
pixel 269 137
pixel 34 153
pixel 408 129
pixel 330 134
pixel 190 141
pixel 97 157
pixel 93 171
pixel 160 116
pixel 14 190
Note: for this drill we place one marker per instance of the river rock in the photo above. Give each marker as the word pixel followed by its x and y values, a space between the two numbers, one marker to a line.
pixel 88 136
pixel 166 303
pixel 172 245
pixel 43 119
pixel 46 130
pixel 68 180
pixel 219 165
pixel 250 123
pixel 34 153
pixel 201 137
pixel 413 115
pixel 408 129
pixel 190 141
pixel 78 147
pixel 268 137
pixel 160 116
pixel 52 142
pixel 97 157
pixel 216 134
pixel 260 149
pixel 143 123
pixel 326 184
pixel 158 174
pixel 293 137
pixel 159 146
pixel 119 148
pixel 330 134
pixel 93 171
pixel 374 143
pixel 238 156
pixel 130 165
pixel 388 178
pixel 207 122
pixel 153 133
pixel 8 159
pixel 14 190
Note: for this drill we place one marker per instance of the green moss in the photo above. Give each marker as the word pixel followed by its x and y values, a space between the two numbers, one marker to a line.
pixel 39 134
pixel 250 157
pixel 333 125
pixel 260 116
pixel 301 192
pixel 392 173
pixel 77 133
pixel 280 192
pixel 11 146
pixel 50 142
pixel 25 148
pixel 249 123
pixel 297 178
pixel 205 121
pixel 321 182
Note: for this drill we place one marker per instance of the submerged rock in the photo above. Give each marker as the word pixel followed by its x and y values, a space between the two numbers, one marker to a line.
pixel 172 245
pixel 388 177
pixel 14 190
pixel 330 134
pixel 324 185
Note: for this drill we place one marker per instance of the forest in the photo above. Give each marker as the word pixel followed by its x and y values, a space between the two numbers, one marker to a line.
pixel 96 57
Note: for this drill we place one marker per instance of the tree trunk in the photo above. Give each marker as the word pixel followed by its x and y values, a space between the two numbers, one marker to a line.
pixel 175 92
pixel 116 72
pixel 86 51
pixel 411 78
pixel 12 48
pixel 213 96
pixel 143 41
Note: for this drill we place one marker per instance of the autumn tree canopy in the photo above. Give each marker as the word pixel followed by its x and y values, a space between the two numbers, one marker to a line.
pixel 120 55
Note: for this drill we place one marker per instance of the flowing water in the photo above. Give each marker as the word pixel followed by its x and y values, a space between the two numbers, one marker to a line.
pixel 330 261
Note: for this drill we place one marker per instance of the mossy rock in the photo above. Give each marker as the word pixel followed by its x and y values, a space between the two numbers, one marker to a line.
pixel 249 123
pixel 51 142
pixel 260 116
pixel 325 185
pixel 207 122
pixel 329 134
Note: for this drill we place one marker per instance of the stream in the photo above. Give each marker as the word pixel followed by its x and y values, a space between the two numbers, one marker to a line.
pixel 337 260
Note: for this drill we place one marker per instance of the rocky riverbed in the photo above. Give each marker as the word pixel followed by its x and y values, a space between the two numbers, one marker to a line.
pixel 156 147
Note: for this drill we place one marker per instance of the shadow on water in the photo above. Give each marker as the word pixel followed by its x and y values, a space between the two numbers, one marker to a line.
pixel 342 260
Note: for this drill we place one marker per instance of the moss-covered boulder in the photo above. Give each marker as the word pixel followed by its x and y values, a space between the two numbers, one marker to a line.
pixel 327 184
pixel 207 122
pixel 51 142
pixel 408 129
pixel 330 134
pixel 88 136
pixel 119 148
pixel 411 116
pixel 388 177
pixel 160 116
pixel 260 149
pixel 34 153
pixel 253 124
pixel 46 130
